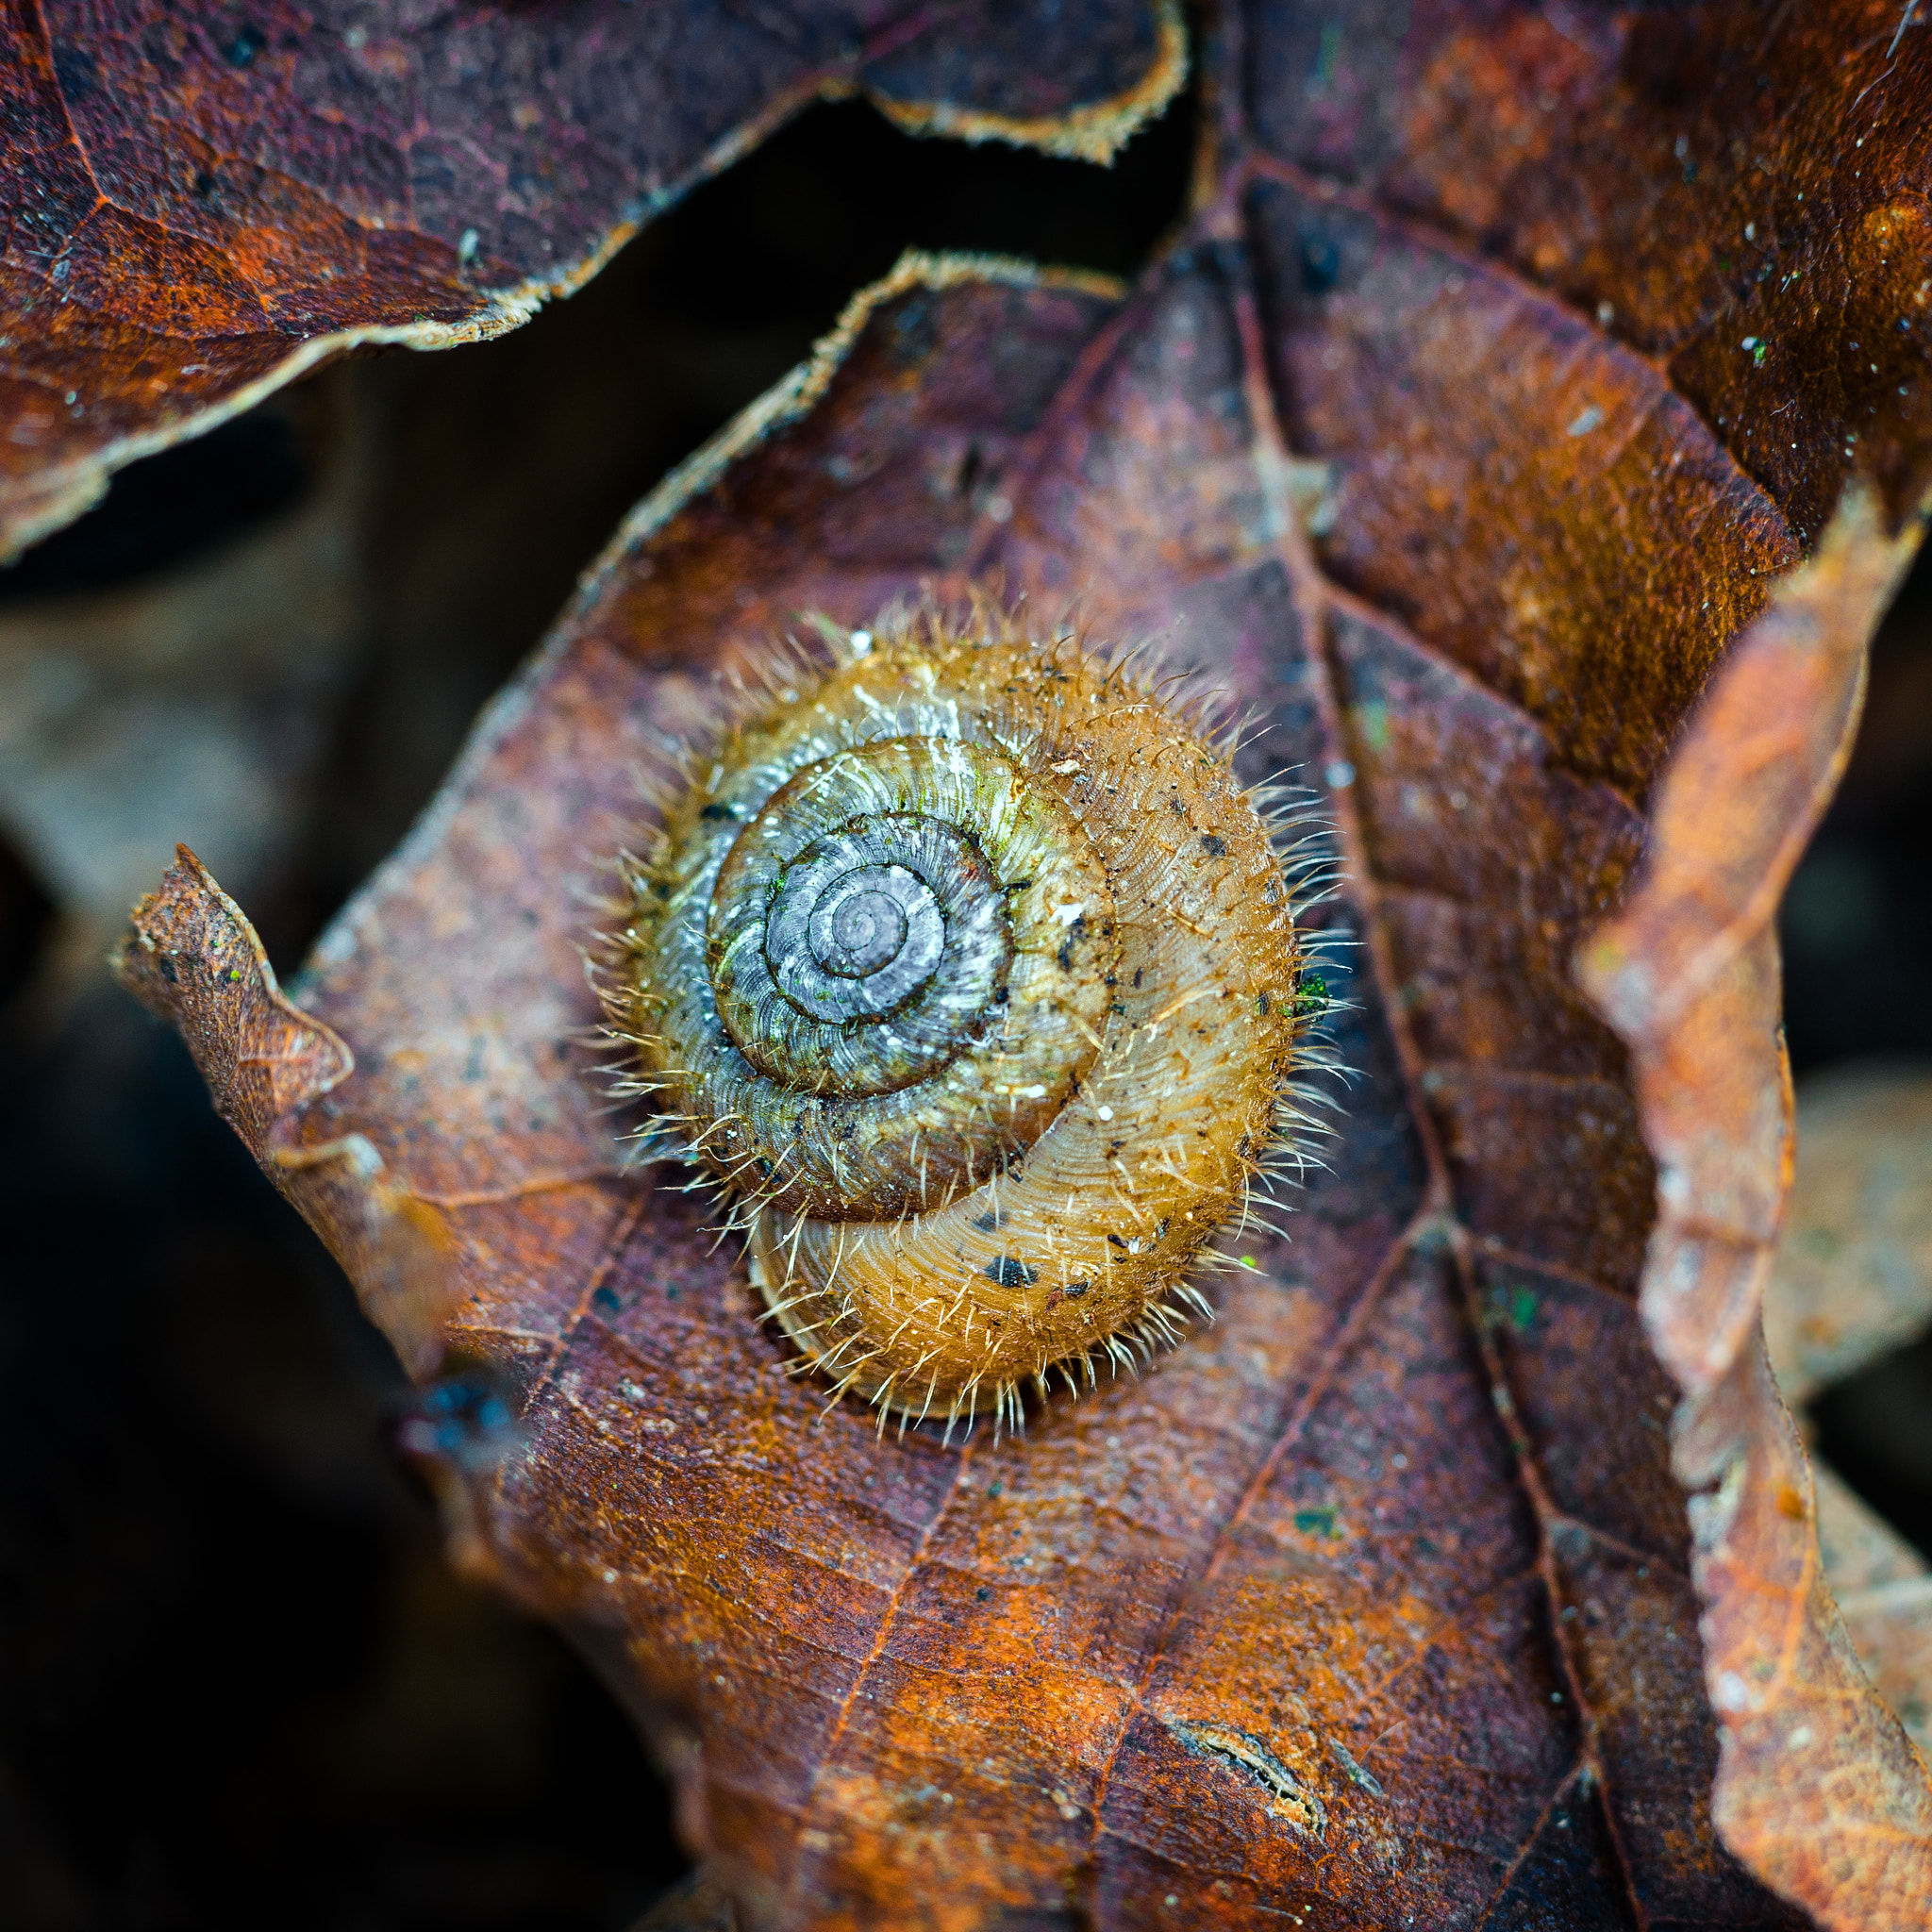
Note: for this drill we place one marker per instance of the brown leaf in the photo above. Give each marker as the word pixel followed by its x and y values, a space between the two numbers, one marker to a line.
pixel 1737 194
pixel 205 203
pixel 1818 1787
pixel 1375 1602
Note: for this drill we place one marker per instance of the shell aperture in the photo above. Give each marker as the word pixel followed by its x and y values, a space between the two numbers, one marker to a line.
pixel 969 972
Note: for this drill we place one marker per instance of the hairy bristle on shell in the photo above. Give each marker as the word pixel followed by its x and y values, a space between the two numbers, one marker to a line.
pixel 963 969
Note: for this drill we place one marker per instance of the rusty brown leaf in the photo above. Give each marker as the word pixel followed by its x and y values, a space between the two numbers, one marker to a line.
pixel 1377 1603
pixel 1818 1787
pixel 203 201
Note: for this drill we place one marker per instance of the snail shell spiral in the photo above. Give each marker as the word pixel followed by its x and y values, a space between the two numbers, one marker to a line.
pixel 970 972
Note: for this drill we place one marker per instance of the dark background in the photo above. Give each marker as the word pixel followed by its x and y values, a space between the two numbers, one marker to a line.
pixel 237 1684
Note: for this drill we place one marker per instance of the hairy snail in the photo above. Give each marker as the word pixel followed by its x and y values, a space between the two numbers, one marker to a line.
pixel 970 973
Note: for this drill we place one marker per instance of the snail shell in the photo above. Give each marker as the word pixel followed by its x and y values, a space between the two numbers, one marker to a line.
pixel 970 973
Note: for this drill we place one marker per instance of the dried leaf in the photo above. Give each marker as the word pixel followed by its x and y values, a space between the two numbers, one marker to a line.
pixel 1818 1787
pixel 205 203
pixel 1734 192
pixel 1378 1597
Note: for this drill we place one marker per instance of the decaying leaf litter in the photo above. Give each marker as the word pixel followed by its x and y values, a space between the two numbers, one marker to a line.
pixel 1427 439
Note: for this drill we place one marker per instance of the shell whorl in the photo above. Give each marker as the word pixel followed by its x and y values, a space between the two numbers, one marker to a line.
pixel 970 973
